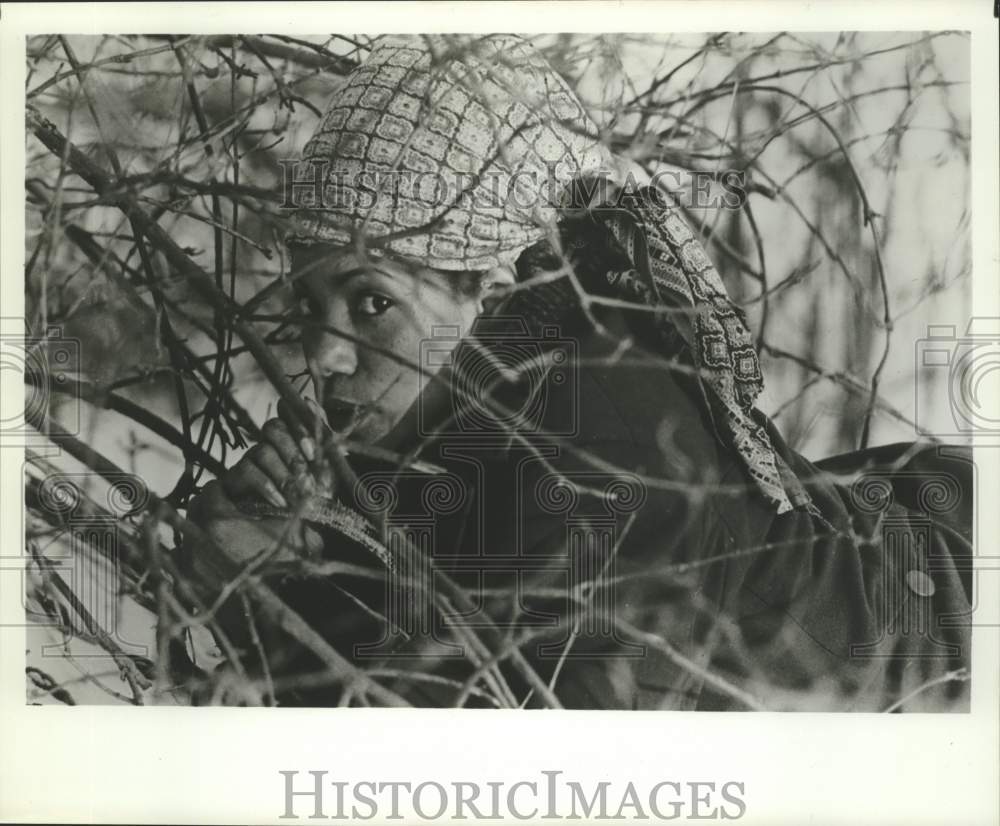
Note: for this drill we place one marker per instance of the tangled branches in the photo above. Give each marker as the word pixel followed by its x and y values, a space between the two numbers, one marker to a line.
pixel 154 240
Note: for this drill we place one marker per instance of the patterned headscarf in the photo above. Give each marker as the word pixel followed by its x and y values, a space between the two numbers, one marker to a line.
pixel 448 151
pixel 459 154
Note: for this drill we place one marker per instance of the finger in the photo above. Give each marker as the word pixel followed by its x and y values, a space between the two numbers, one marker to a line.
pixel 269 461
pixel 321 435
pixel 321 469
pixel 321 427
pixel 298 431
pixel 210 503
pixel 311 540
pixel 246 479
pixel 277 434
pixel 293 482
pixel 325 480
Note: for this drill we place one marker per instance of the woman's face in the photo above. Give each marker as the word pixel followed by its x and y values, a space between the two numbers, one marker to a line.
pixel 365 325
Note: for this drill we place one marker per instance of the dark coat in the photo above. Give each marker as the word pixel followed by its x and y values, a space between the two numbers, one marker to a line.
pixel 679 586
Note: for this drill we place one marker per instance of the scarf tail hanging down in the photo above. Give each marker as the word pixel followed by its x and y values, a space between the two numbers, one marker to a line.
pixel 674 270
pixel 494 112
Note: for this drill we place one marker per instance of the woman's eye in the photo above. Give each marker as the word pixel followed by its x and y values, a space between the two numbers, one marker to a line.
pixel 373 304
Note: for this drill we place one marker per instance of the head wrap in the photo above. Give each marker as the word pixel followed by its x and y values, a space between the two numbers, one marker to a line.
pixel 448 151
pixel 458 153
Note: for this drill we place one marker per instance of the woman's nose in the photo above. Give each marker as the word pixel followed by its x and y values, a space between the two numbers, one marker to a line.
pixel 331 351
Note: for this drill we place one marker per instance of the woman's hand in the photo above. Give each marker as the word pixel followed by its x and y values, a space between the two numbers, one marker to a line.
pixel 278 471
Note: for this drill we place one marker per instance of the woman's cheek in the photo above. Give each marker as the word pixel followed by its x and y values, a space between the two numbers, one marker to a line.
pixel 401 338
pixel 386 353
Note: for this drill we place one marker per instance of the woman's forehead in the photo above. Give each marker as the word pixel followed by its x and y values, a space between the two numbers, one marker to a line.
pixel 334 260
pixel 322 257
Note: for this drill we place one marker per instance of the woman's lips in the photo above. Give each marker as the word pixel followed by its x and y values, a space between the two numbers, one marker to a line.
pixel 339 413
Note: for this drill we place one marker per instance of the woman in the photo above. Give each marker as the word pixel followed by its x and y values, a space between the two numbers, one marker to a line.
pixel 547 400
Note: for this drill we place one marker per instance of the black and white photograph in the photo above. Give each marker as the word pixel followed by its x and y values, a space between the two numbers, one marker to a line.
pixel 535 370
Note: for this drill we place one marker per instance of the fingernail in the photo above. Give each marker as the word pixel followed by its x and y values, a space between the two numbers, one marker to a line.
pixel 275 497
pixel 326 483
pixel 320 414
pixel 308 447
